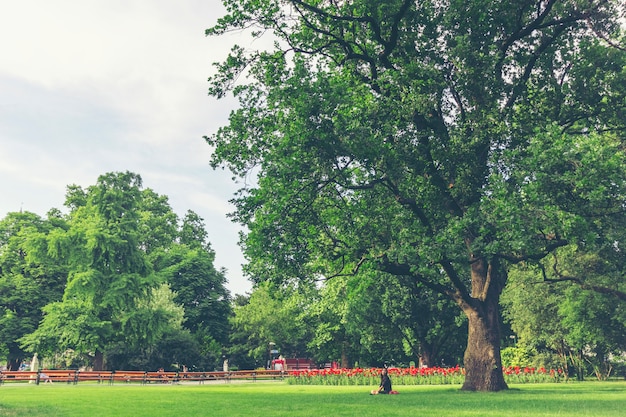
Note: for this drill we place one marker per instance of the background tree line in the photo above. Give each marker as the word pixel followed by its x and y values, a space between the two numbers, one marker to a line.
pixel 120 282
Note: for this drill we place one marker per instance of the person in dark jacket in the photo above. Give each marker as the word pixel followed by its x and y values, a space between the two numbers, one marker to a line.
pixel 385 383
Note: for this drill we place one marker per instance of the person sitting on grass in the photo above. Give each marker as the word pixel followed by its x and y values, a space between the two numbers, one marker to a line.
pixel 385 383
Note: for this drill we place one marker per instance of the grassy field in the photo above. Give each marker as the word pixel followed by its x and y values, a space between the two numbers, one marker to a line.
pixel 592 399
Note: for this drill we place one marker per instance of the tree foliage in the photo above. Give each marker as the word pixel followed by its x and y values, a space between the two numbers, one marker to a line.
pixel 201 290
pixel 583 328
pixel 108 273
pixel 378 319
pixel 132 279
pixel 442 141
pixel 267 316
pixel 26 283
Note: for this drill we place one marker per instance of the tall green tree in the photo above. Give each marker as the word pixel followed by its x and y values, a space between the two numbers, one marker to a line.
pixel 27 282
pixel 169 345
pixel 108 271
pixel 200 287
pixel 129 268
pixel 439 140
pixel 201 290
pixel 583 328
pixel 270 316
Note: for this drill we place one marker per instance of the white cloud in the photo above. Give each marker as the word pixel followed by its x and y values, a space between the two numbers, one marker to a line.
pixel 210 203
pixel 93 86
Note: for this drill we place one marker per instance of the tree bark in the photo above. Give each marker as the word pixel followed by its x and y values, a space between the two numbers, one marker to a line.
pixel 482 360
pixel 427 355
pixel 98 361
pixel 345 363
pixel 13 364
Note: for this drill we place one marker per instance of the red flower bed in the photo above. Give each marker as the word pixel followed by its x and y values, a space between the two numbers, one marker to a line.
pixel 412 376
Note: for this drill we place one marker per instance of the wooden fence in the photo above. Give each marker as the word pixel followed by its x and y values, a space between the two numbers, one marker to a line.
pixel 143 377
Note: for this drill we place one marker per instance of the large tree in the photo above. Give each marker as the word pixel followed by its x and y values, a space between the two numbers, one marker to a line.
pixel 26 283
pixel 128 274
pixel 108 272
pixel 188 266
pixel 441 140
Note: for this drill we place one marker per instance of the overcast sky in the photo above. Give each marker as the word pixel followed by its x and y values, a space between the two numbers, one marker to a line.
pixel 93 86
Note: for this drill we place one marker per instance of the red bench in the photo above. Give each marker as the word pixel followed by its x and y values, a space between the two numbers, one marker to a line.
pixel 37 377
pixel 19 376
pixel 162 377
pixel 54 375
pixel 98 376
pixel 299 363
pixel 128 376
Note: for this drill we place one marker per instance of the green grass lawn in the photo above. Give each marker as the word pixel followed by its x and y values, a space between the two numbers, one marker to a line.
pixel 592 399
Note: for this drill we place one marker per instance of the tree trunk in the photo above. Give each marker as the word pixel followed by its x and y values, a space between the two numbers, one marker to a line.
pixel 98 361
pixel 483 365
pixel 426 355
pixel 345 363
pixel 482 361
pixel 13 364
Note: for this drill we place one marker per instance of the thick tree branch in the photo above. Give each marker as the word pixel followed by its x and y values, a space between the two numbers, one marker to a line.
pixel 521 83
pixel 520 34
pixel 605 38
pixel 461 294
pixel 582 284
pixel 488 281
pixel 400 269
pixel 551 245
pixel 393 39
